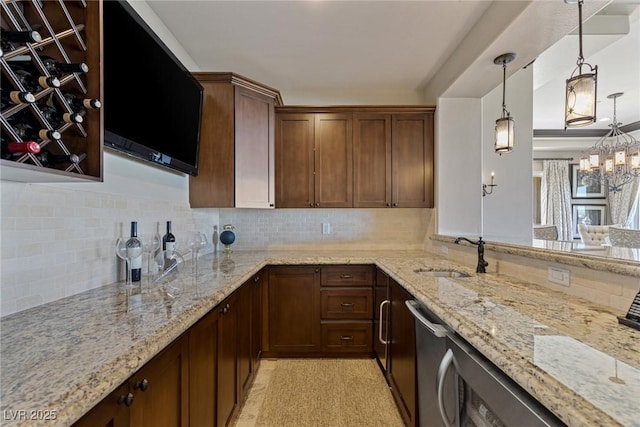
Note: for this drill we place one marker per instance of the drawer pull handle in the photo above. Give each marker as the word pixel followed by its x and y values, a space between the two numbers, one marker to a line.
pixel 346 276
pixel 346 338
pixel 347 304
pixel 142 385
pixel 127 399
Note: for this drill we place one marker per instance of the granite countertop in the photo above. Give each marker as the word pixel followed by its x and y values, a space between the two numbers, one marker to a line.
pixel 67 355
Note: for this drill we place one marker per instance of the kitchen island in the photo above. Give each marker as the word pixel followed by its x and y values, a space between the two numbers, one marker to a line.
pixel 62 358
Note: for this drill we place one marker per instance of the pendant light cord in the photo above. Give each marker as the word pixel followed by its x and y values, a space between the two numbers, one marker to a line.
pixel 504 88
pixel 580 56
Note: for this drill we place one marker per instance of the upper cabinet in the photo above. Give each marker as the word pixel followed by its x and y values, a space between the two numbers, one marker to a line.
pixel 51 68
pixel 237 136
pixel 361 156
pixel 314 160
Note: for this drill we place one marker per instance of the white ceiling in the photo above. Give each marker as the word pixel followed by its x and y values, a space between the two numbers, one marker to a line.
pixel 389 52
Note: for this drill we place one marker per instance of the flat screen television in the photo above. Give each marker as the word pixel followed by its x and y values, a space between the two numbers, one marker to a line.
pixel 152 103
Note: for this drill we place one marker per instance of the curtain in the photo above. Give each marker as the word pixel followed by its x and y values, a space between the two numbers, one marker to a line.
pixel 622 203
pixel 556 197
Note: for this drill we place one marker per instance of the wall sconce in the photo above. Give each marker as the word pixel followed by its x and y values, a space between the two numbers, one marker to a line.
pixel 505 126
pixel 581 90
pixel 489 186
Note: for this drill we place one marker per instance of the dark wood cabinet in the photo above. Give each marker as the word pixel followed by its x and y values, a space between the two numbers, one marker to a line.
pixel 393 160
pixel 113 411
pixel 401 363
pixel 227 361
pixel 354 156
pixel 236 158
pixel 294 310
pixel 314 160
pixel 412 160
pixel 161 388
pixel 371 160
pixel 158 394
pixel 243 317
pixel 203 357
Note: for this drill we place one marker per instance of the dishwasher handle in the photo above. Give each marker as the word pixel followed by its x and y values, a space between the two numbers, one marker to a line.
pixel 381 321
pixel 447 360
pixel 437 330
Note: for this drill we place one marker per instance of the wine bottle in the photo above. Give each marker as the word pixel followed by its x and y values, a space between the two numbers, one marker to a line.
pixel 13 148
pixel 48 159
pixel 35 83
pixel 78 104
pixel 168 240
pixel 58 117
pixel 12 97
pixel 12 39
pixel 57 69
pixel 134 253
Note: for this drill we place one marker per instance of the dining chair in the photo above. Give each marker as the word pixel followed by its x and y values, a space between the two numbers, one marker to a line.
pixel 624 237
pixel 545 232
pixel 593 235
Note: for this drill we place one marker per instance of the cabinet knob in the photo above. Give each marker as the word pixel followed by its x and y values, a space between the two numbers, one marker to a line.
pixel 395 205
pixel 271 205
pixel 311 204
pixel 317 205
pixel 256 279
pixel 141 385
pixel 388 205
pixel 127 399
pixel 317 270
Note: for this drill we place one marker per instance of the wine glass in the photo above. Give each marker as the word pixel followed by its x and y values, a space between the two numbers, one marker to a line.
pixel 196 241
pixel 150 244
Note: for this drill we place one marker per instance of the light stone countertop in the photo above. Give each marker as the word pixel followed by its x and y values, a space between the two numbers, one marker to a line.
pixel 67 355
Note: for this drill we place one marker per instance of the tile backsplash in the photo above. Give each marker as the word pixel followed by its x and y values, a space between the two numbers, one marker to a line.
pixel 58 240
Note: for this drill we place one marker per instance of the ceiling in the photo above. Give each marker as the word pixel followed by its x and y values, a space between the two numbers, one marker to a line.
pixel 403 52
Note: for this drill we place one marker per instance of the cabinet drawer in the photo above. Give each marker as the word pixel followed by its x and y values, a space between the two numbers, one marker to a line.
pixel 347 337
pixel 347 304
pixel 347 275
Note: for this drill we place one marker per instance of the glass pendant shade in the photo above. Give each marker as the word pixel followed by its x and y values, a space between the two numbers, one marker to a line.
pixel 580 101
pixel 505 125
pixel 581 91
pixel 505 135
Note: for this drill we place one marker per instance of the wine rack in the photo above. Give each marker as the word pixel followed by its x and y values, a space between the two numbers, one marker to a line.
pixel 70 33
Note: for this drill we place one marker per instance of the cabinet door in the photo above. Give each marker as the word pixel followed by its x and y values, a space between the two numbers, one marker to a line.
pixel 371 160
pixel 333 160
pixel 111 412
pixel 227 380
pixel 202 371
pixel 294 309
pixel 256 320
pixel 161 388
pixel 412 160
pixel 254 150
pixel 381 318
pixel 243 316
pixel 294 161
pixel 402 354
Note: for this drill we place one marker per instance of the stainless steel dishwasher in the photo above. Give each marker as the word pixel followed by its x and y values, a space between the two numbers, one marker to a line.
pixel 431 346
pixel 468 390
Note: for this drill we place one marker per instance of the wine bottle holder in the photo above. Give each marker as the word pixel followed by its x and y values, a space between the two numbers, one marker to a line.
pixel 70 33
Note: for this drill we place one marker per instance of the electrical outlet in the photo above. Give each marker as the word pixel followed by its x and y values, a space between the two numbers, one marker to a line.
pixel 326 228
pixel 561 276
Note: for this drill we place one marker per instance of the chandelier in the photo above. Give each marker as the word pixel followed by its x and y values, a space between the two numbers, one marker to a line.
pixel 615 159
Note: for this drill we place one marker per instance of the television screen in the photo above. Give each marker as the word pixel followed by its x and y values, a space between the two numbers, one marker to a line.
pixel 152 103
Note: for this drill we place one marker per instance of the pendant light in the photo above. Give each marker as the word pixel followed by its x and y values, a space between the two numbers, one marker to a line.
pixel 505 126
pixel 581 89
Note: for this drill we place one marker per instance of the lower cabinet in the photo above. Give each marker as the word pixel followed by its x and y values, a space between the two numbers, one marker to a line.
pixel 201 378
pixel 157 395
pixel 401 357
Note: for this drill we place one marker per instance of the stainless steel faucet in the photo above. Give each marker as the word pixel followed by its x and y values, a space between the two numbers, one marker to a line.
pixel 482 264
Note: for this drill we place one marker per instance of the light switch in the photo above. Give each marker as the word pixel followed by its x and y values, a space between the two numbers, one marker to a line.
pixel 561 276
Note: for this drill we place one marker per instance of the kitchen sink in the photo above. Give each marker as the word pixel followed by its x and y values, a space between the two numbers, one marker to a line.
pixel 441 273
